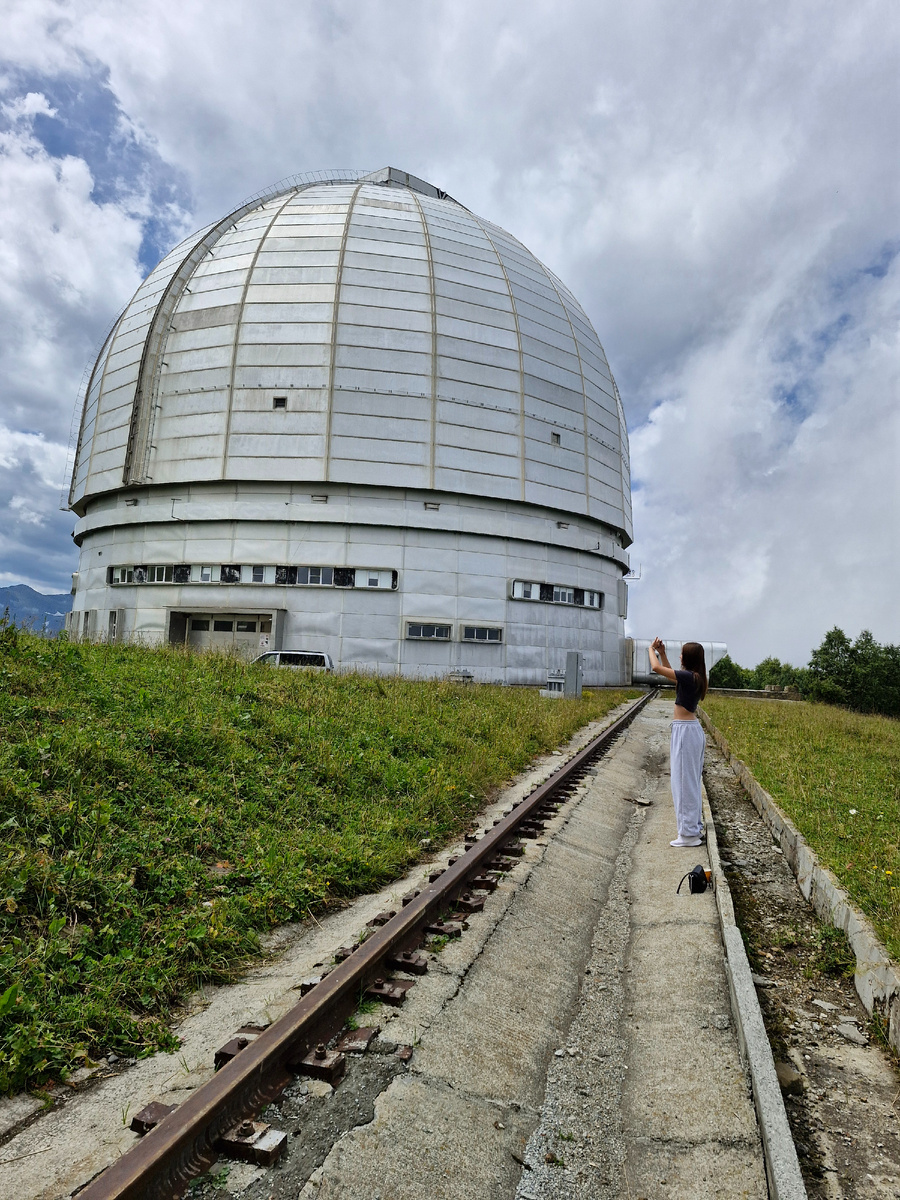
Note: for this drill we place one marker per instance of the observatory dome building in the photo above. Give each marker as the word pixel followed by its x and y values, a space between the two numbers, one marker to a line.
pixel 352 417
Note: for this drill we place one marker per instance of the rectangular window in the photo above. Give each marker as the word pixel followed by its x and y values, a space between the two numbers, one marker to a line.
pixel 428 633
pixel 554 439
pixel 344 577
pixel 563 595
pixel 230 574
pixel 259 574
pixel 286 575
pixel 113 622
pixel 369 578
pixel 161 574
pixel 223 626
pixel 265 625
pixel 481 633
pixel 279 401
pixel 524 590
pixel 141 574
pixel 199 625
pixel 181 573
pixel 320 576
pixel 245 627
pixel 206 574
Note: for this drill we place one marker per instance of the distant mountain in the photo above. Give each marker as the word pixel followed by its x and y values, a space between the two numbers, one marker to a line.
pixel 34 609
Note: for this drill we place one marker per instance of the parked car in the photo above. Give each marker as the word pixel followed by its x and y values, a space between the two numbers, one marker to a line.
pixel 305 659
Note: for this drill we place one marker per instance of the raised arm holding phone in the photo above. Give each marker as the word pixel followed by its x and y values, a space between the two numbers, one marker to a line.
pixel 688 743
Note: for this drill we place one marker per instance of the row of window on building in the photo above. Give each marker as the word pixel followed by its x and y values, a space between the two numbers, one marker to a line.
pixel 283 576
pixel 555 593
pixel 341 577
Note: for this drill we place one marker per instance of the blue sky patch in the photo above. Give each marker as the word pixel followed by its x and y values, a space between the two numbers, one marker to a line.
pixel 89 124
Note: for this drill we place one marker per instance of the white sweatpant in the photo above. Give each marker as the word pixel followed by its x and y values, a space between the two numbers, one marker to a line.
pixel 688 749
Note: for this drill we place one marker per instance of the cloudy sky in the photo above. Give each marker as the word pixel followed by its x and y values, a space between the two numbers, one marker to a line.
pixel 716 181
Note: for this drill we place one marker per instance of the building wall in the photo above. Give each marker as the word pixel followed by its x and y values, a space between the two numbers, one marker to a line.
pixel 456 569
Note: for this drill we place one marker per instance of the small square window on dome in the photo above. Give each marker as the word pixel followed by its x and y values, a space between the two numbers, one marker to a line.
pixel 279 401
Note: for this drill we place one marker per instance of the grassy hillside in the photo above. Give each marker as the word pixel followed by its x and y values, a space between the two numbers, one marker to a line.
pixel 836 774
pixel 158 809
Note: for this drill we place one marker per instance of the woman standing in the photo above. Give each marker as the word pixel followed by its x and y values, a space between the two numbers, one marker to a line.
pixel 688 739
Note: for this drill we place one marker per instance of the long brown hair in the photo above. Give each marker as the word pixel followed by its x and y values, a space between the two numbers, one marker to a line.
pixel 694 660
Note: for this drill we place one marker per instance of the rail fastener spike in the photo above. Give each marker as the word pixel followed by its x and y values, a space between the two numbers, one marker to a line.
pixel 451 929
pixel 485 883
pixel 409 961
pixel 254 1142
pixel 325 1064
pixel 382 918
pixel 150 1116
pixel 389 991
pixel 239 1041
pixel 357 1041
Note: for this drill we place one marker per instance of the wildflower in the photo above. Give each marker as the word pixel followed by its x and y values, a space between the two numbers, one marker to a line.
pixel 852 812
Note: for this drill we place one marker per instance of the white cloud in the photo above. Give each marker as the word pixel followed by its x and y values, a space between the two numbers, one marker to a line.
pixel 711 179
pixel 67 264
pixel 47 460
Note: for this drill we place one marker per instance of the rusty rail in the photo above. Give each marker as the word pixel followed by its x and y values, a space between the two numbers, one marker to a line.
pixel 183 1145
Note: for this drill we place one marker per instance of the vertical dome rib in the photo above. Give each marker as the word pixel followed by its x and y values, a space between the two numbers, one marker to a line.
pixel 229 397
pixel 432 435
pixel 515 314
pixel 587 459
pixel 335 313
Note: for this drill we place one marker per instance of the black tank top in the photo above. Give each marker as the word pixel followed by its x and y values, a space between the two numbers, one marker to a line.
pixel 687 694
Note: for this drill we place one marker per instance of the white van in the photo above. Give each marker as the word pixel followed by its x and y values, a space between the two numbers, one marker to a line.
pixel 305 659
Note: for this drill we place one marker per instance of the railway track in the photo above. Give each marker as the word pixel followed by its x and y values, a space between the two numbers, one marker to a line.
pixel 257 1065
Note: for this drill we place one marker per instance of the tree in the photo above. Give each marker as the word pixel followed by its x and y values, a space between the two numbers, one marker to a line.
pixel 727 674
pixel 862 675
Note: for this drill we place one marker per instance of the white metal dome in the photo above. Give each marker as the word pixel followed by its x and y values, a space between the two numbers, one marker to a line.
pixel 369 331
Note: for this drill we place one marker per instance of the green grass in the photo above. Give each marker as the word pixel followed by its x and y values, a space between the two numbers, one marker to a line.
pixel 160 809
pixel 836 774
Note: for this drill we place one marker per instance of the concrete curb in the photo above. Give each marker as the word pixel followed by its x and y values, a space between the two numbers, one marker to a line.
pixel 877 978
pixel 782 1165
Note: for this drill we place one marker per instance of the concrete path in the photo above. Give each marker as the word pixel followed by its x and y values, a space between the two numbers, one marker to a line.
pixel 589 1052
